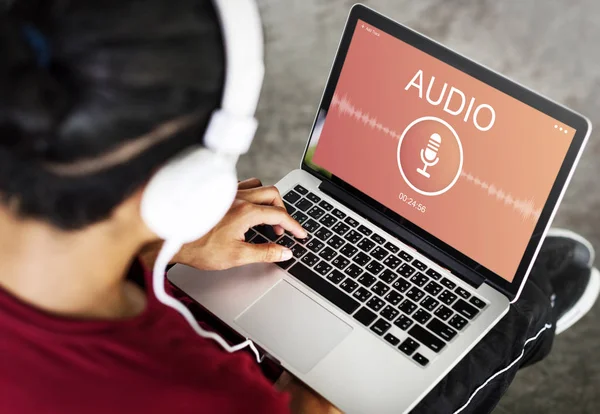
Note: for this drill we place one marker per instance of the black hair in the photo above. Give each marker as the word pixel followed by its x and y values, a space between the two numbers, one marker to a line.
pixel 117 69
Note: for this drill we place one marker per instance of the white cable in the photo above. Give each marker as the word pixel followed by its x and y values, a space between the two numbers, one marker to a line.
pixel 169 249
pixel 547 326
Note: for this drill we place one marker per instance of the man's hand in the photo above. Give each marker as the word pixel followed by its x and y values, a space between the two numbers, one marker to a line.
pixel 224 246
pixel 303 399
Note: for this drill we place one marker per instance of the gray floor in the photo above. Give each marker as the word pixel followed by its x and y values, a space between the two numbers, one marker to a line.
pixel 549 45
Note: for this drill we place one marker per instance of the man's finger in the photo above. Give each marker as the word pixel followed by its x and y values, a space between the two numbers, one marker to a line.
pixel 264 195
pixel 255 215
pixel 263 253
pixel 249 183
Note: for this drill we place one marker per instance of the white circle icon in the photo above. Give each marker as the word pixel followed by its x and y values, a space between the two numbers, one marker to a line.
pixel 428 154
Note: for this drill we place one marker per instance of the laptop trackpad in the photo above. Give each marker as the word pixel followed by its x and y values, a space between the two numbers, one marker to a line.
pixel 293 326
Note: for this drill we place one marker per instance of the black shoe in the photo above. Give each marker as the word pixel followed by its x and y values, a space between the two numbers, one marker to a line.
pixel 567 259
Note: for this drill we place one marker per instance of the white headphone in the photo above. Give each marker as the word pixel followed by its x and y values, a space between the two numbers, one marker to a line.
pixel 191 193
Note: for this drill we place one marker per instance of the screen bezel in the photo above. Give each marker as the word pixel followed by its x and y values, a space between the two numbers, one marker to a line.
pixel 491 78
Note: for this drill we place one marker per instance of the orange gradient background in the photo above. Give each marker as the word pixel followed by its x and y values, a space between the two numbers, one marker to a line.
pixel 521 154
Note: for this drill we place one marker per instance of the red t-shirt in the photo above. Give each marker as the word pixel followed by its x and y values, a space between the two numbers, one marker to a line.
pixel 153 363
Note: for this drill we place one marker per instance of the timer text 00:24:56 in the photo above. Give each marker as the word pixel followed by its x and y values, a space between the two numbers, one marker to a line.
pixel 412 202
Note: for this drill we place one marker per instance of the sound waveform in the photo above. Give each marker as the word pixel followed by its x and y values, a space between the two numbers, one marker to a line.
pixel 526 208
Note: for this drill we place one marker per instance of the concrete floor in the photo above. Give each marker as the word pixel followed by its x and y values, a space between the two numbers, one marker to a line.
pixel 548 45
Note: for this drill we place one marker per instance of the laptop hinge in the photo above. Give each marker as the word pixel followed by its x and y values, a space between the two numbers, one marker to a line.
pixel 404 235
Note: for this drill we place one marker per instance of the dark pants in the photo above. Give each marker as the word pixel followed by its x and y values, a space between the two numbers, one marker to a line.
pixel 502 346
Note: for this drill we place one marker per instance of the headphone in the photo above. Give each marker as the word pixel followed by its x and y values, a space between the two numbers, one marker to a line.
pixel 191 193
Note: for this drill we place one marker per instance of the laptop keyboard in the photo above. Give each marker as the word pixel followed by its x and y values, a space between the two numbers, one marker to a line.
pixel 368 277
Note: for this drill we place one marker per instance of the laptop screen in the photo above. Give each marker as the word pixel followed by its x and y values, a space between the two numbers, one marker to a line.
pixel 462 160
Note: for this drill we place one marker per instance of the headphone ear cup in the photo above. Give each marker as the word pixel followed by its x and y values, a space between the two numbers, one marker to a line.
pixel 188 196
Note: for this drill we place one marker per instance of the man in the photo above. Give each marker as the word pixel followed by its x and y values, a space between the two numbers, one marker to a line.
pixel 79 333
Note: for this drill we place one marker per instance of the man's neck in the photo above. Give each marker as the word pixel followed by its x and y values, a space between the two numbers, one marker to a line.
pixel 76 274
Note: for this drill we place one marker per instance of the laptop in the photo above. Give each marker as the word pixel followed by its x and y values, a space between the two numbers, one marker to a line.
pixel 427 186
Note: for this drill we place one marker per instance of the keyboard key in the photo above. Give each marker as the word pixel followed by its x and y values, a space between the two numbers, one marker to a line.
pixel 248 235
pixel 292 197
pixel 366 280
pixel 336 242
pixel 258 239
pixel 406 348
pixel 365 230
pixel 327 220
pixel 407 307
pixel 323 234
pixel 361 258
pixel 379 253
pixel 290 210
pixel 477 302
pixel 421 360
pixel 391 339
pixel 324 288
pixel 392 248
pixel 327 254
pixel 310 259
pixel 378 238
pixel 392 262
pixel 458 322
pixel 401 285
pixel 315 245
pixel 353 236
pixel 405 270
pixel 286 242
pixel 303 205
pixel 405 256
pixel 374 267
pixel 421 316
pixel 389 313
pixel 433 288
pixel 349 285
pixel 301 189
pixel 351 222
pixel 441 329
pixel 310 225
pixel 323 268
pixel 433 274
pixel 415 294
pixel 316 212
pixel 313 197
pixel 428 339
pixel 353 271
pixel 339 214
pixel 380 288
pixel 429 303
pixel 448 283
pixel 362 294
pixel 340 262
pixel 348 250
pixel 375 303
pixel 419 265
pixel 304 240
pixel 340 228
pixel 393 297
pixel 462 293
pixel 381 326
pixel 268 232
pixel 403 322
pixel 387 276
pixel 365 316
pixel 286 264
pixel 465 309
pixel 366 245
pixel 324 204
pixel 300 217
pixel 419 279
pixel 443 312
pixel 447 297
pixel 336 277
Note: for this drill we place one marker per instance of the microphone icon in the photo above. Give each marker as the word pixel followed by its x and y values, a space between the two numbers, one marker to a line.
pixel 429 155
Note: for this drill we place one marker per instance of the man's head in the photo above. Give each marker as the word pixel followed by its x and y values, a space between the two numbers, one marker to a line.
pixel 129 84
